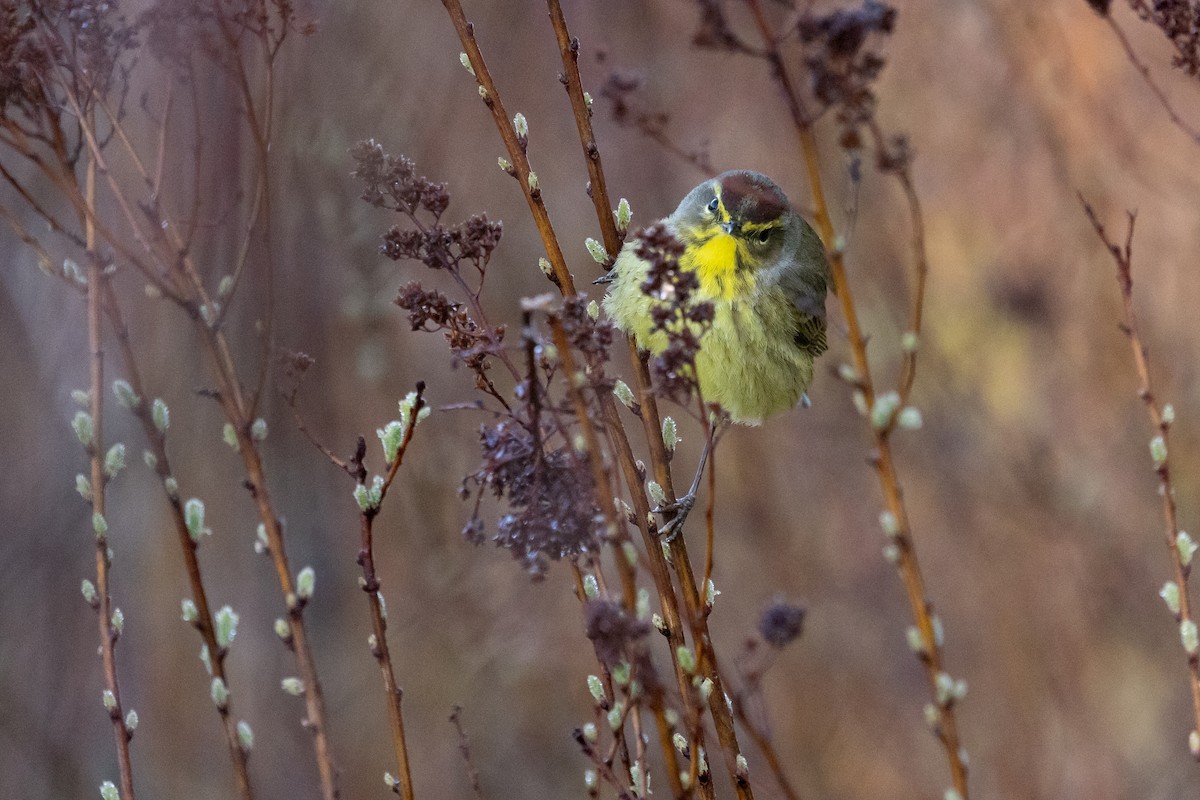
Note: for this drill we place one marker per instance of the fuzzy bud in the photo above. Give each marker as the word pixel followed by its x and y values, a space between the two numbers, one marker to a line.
pixel 623 215
pixel 258 430
pixel 84 487
pixel 884 408
pixel 131 722
pixel 1168 414
pixel 466 62
pixel 670 434
pixel 293 686
pixel 616 715
pixel 597 251
pixel 89 592
pixel 245 736
pixel 305 583
pixel 99 524
pixel 225 621
pixel 282 629
pixel 1188 635
pixel 1158 451
pixel 125 395
pixel 591 589
pixel 521 128
pixel 161 414
pixel 219 693
pixel 710 593
pixel 624 394
pixel 657 495
pixel 85 431
pixel 686 659
pixel 1170 595
pixel 109 700
pixel 545 266
pixel 532 180
pixel 889 523
pixel 1186 547
pixel 229 436
pixel 188 611
pixel 118 621
pixel 114 460
pixel 193 515
pixel 406 411
pixel 109 791
pixel 909 418
pixel 596 689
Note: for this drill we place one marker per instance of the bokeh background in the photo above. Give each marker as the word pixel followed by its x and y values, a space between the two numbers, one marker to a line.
pixel 1034 505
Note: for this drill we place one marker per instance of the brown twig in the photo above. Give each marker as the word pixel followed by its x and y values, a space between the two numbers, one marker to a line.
pixel 96 456
pixel 464 747
pixel 899 528
pixel 1160 422
pixel 370 585
pixel 568 47
pixel 515 146
pixel 1144 71
pixel 203 623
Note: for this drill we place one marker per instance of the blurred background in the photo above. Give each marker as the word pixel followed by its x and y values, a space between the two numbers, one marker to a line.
pixel 1030 487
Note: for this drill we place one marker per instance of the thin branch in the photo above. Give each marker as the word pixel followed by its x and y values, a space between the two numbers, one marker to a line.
pixel 203 622
pixel 568 48
pixel 1160 422
pixel 103 601
pixel 464 747
pixel 370 585
pixel 515 147
pixel 902 543
pixel 1144 71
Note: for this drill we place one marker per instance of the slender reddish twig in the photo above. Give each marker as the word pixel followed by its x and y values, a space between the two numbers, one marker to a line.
pixel 568 47
pixel 1144 71
pixel 900 530
pixel 514 145
pixel 1160 422
pixel 96 454
pixel 203 623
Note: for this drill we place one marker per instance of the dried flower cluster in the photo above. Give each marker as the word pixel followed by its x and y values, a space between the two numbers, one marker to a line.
pixel 781 623
pixel 842 68
pixel 677 312
pixel 87 39
pixel 553 509
pixel 614 632
pixel 527 460
pixel 1179 20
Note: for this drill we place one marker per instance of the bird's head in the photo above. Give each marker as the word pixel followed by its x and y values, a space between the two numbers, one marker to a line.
pixel 739 211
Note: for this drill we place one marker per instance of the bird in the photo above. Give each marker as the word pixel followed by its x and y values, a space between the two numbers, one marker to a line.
pixel 764 270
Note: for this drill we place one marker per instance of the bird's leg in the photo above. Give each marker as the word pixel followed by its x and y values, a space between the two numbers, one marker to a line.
pixel 683 505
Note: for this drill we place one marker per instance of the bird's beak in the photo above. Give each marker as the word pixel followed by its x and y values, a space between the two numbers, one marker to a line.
pixel 730 227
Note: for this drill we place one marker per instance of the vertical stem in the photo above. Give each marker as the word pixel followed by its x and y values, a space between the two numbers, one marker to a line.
pixel 204 621
pixel 882 459
pixel 108 634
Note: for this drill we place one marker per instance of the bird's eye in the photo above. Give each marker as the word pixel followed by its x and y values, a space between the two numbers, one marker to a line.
pixel 764 236
pixel 712 204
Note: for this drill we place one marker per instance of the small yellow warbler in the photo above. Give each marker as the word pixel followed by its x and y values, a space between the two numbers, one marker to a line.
pixel 763 268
